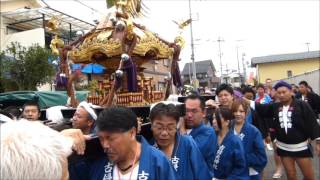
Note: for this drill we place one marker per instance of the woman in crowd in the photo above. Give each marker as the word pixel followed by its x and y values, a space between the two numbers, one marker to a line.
pixel 256 158
pixel 262 97
pixel 229 162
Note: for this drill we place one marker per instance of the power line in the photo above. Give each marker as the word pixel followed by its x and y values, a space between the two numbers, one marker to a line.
pixel 95 10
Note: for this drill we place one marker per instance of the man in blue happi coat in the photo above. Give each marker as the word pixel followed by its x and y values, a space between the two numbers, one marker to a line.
pixel 183 152
pixel 128 156
pixel 204 136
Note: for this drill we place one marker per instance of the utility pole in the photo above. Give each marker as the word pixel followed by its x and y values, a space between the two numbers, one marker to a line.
pixel 190 79
pixel 220 56
pixel 194 76
pixel 244 68
pixel 238 59
pixel 308 44
pixel 237 48
pixel 241 79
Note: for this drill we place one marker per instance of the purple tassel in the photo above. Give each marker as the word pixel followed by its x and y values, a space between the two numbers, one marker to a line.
pixel 61 81
pixel 131 69
pixel 176 77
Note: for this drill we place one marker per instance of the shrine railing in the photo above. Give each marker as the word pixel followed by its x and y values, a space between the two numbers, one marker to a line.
pixel 157 96
pixel 130 99
pixel 94 99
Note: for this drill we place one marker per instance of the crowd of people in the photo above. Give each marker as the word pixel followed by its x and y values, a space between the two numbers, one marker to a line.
pixel 184 144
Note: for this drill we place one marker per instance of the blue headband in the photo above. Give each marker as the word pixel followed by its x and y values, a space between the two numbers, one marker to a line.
pixel 282 84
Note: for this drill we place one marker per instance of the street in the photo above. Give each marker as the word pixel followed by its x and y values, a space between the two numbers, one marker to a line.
pixel 269 170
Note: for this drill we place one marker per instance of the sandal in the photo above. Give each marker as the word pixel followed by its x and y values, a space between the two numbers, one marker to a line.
pixel 276 176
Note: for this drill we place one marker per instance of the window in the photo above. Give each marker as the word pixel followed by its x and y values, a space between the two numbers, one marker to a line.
pixel 289 73
pixel 236 79
pixel 11 30
pixel 161 86
pixel 200 76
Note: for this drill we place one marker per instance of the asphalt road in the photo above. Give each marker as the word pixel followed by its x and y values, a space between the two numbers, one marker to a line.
pixel 269 170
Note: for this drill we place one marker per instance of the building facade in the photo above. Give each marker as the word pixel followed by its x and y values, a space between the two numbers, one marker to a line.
pixel 25 22
pixel 159 70
pixel 9 33
pixel 205 73
pixel 284 66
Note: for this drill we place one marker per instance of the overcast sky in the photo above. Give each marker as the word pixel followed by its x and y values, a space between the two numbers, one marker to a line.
pixel 258 27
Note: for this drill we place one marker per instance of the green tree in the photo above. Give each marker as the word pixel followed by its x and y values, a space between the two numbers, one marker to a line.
pixel 110 3
pixel 28 68
pixel 7 65
pixel 1 70
pixel 67 35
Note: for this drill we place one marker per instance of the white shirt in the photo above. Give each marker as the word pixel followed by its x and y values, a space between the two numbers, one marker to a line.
pixel 286 122
pixel 252 172
pixel 126 176
pixel 235 132
pixel 189 131
pixel 285 117
pixel 54 113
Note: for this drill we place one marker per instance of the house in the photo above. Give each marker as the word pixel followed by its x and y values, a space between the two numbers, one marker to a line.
pixel 159 70
pixel 283 66
pixel 205 73
pixel 235 79
pixel 26 22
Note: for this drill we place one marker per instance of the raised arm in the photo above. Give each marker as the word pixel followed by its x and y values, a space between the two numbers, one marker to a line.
pixel 264 110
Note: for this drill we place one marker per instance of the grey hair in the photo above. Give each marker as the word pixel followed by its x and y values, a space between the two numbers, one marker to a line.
pixel 31 150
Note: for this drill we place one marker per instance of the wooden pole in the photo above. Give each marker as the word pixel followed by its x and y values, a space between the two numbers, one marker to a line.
pixel 108 99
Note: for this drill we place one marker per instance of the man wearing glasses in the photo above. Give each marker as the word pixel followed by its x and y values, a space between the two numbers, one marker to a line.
pixel 193 125
pixel 181 150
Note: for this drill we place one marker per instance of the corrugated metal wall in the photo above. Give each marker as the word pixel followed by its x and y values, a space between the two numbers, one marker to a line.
pixel 312 77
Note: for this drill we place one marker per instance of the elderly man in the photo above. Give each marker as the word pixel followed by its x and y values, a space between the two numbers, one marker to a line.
pixel 181 150
pixel 31 150
pixel 84 118
pixel 31 111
